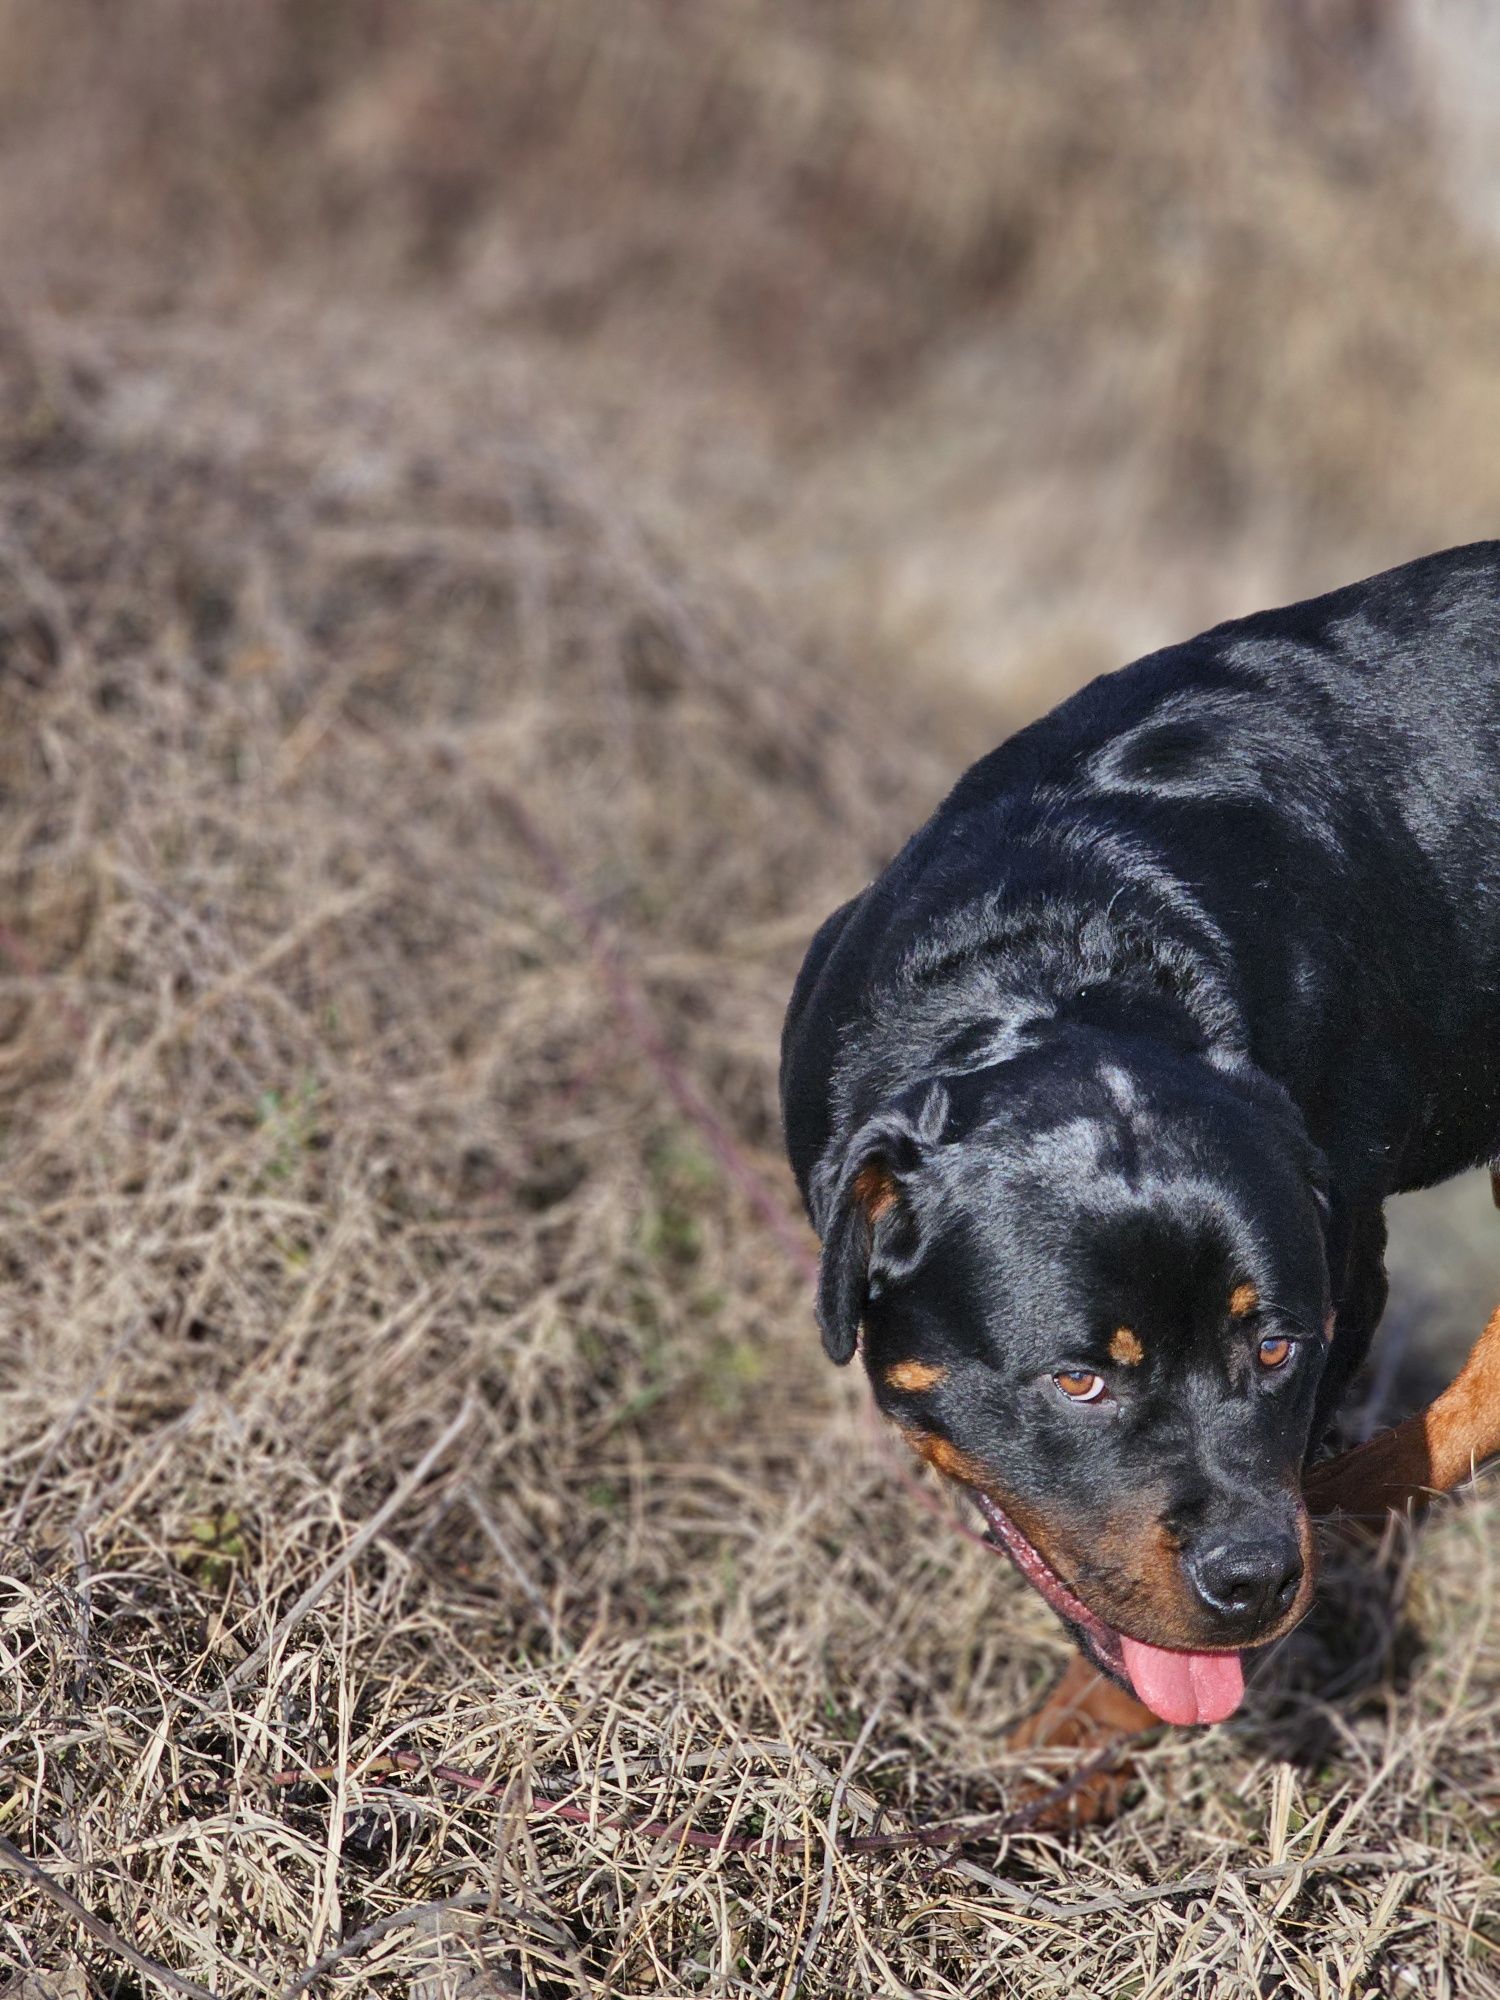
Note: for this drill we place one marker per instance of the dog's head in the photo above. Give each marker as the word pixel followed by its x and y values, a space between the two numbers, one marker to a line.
pixel 1094 1290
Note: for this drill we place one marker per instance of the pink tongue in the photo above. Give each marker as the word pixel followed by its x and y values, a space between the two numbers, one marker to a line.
pixel 1184 1687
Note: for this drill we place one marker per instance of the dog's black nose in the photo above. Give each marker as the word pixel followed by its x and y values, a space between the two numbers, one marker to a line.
pixel 1247 1581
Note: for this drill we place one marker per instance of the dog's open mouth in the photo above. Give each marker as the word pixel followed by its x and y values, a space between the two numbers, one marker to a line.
pixel 1179 1687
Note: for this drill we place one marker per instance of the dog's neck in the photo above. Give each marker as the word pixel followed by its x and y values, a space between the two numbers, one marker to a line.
pixel 1000 975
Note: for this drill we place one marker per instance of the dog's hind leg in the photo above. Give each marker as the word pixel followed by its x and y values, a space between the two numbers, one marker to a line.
pixel 1429 1453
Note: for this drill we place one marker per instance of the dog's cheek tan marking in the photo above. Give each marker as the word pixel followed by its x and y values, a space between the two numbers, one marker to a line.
pixel 1161 1567
pixel 1242 1301
pixel 914 1376
pixel 1307 1543
pixel 1125 1347
pixel 955 1463
pixel 949 1460
pixel 1066 1553
pixel 1155 1601
pixel 875 1191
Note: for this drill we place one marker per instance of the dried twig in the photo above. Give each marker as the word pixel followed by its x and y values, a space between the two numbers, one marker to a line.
pixel 414 1913
pixel 253 1662
pixel 102 1933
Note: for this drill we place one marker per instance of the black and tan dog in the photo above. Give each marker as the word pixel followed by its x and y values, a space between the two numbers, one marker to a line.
pixel 1096 1095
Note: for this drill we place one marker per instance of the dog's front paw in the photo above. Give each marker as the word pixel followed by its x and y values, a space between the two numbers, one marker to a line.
pixel 1087 1717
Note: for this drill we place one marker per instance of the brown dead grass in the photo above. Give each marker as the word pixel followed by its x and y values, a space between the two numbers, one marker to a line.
pixel 322 1133
pixel 1224 232
pixel 388 1368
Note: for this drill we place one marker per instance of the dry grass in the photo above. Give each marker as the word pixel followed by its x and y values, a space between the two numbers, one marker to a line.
pixel 323 1135
pixel 1222 233
pixel 396 1388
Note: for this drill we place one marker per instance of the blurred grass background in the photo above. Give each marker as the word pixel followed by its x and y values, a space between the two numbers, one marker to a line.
pixel 1006 339
pixel 718 420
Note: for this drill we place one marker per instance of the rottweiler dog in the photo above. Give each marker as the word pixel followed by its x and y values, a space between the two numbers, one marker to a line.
pixel 1096 1095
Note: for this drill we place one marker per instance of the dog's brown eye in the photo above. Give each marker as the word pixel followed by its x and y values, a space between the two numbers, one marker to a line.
pixel 1080 1385
pixel 1275 1351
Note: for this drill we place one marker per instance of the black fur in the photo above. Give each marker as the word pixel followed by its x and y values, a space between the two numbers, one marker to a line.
pixel 1176 987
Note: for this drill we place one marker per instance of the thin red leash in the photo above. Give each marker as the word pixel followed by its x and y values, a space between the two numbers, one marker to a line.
pixel 946 1833
pixel 636 1016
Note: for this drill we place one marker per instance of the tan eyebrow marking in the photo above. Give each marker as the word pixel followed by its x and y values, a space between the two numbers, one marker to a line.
pixel 915 1375
pixel 1243 1299
pixel 1126 1348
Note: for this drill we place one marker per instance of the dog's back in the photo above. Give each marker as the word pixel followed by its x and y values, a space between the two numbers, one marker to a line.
pixel 1309 797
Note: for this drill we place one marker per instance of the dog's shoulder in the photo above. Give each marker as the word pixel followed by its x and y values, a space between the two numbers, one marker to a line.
pixel 1271 747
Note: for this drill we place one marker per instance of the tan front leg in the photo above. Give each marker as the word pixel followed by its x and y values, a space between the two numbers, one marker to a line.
pixel 1431 1452
pixel 1084 1713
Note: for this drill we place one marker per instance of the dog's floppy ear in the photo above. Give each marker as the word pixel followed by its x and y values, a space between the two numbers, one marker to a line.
pixel 862 1207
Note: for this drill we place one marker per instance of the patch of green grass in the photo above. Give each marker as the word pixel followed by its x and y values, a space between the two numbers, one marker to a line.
pixel 291 1120
pixel 214 1548
pixel 682 1172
